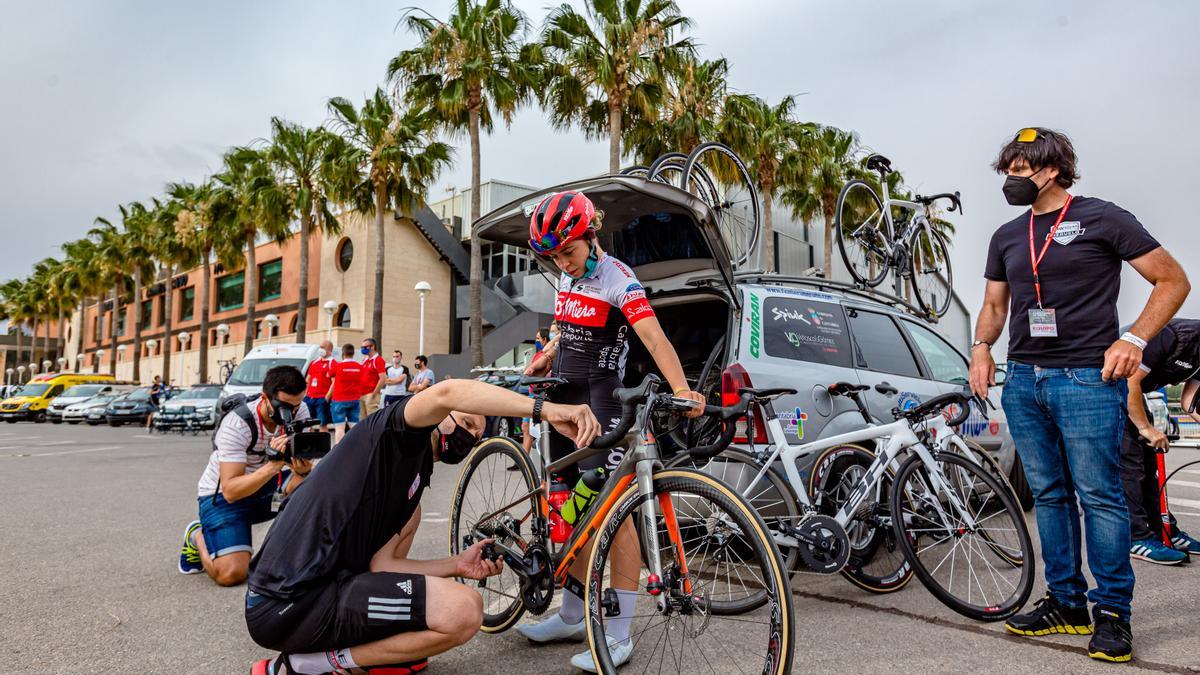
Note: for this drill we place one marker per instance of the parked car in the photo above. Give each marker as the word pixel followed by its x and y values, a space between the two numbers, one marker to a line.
pixel 737 328
pixel 133 407
pixel 247 378
pixel 32 400
pixel 194 408
pixel 79 412
pixel 78 394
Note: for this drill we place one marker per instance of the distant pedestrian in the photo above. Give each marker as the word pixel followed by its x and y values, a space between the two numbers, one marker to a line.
pixel 395 380
pixel 348 378
pixel 375 368
pixel 423 378
pixel 318 385
pixel 157 394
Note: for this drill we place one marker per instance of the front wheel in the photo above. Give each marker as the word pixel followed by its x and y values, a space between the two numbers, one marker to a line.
pixel 704 531
pixel 932 275
pixel 961 530
pixel 485 486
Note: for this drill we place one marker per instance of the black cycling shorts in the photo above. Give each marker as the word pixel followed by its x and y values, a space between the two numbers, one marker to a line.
pixel 596 394
pixel 351 610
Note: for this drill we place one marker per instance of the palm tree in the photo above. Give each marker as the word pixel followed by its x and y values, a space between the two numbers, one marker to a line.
pixel 693 98
pixel 13 310
pixel 469 69
pixel 81 280
pixel 202 232
pixel 298 155
pixel 831 157
pixel 171 254
pixel 610 60
pixel 384 156
pixel 137 224
pixel 112 251
pixel 45 306
pixel 767 138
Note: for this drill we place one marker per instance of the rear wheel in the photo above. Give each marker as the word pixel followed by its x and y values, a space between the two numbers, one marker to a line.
pixel 717 175
pixel 485 485
pixel 932 275
pixel 704 527
pixel 863 233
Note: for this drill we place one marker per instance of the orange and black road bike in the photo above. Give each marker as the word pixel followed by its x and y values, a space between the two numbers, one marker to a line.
pixel 712 595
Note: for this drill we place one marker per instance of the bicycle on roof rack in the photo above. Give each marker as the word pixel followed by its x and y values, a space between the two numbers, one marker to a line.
pixel 872 242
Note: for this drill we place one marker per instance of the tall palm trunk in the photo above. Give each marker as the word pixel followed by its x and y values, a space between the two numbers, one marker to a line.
pixel 202 338
pixel 46 342
pixel 302 301
pixel 137 326
pixel 381 202
pixel 166 338
pixel 476 275
pixel 251 290
pixel 112 329
pixel 827 270
pixel 82 326
pixel 60 342
pixel 33 355
pixel 768 231
pixel 614 135
pixel 20 344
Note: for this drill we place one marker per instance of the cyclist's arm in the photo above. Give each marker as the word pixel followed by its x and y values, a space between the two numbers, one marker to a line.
pixel 1136 404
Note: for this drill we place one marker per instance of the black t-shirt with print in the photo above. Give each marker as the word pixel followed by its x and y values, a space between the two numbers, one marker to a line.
pixel 357 497
pixel 1081 278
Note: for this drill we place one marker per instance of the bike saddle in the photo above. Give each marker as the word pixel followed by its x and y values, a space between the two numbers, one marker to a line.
pixel 767 394
pixel 845 388
pixel 879 163
pixel 530 381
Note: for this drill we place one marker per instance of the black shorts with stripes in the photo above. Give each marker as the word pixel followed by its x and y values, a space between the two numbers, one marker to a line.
pixel 351 610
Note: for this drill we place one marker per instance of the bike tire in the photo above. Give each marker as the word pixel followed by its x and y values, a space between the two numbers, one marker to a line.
pixel 978 454
pixel 732 196
pixel 857 206
pixel 777 636
pixel 914 504
pixel 930 255
pixel 500 616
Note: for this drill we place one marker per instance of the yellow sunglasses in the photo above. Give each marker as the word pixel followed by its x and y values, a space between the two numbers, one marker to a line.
pixel 1027 135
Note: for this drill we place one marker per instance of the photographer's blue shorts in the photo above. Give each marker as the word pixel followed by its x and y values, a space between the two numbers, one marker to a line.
pixel 318 408
pixel 344 411
pixel 226 526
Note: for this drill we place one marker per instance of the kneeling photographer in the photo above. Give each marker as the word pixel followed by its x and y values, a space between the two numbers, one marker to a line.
pixel 257 459
pixel 333 588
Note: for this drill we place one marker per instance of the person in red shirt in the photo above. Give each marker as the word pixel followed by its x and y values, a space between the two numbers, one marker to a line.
pixel 376 369
pixel 318 385
pixel 349 380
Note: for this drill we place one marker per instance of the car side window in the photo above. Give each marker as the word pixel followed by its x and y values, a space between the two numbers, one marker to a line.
pixel 805 330
pixel 54 391
pixel 880 345
pixel 946 363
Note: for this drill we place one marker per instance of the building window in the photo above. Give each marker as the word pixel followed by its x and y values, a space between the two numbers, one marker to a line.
pixel 187 303
pixel 95 327
pixel 120 320
pixel 342 318
pixel 147 313
pixel 270 280
pixel 161 302
pixel 295 318
pixel 230 291
pixel 345 253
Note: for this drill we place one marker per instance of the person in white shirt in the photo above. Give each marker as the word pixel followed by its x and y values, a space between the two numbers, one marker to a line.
pixel 395 379
pixel 424 378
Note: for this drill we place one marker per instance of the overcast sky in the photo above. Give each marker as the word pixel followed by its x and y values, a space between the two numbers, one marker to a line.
pixel 104 102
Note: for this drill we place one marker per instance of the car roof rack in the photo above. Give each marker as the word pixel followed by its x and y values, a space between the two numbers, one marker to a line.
pixel 839 286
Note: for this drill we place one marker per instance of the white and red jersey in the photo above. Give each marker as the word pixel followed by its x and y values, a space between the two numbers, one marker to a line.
pixel 594 316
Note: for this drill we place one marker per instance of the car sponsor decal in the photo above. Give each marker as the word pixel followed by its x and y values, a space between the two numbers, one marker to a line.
pixel 755 325
pixel 793 421
pixel 907 400
pixel 802 293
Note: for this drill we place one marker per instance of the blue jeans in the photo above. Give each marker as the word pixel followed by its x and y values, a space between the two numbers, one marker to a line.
pixel 1067 425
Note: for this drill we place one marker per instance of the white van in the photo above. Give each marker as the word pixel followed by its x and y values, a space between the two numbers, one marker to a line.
pixel 247 378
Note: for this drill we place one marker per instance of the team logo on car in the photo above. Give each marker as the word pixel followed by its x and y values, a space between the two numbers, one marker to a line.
pixel 907 400
pixel 793 421
pixel 1067 232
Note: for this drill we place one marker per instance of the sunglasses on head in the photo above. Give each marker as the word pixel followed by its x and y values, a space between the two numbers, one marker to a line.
pixel 1027 135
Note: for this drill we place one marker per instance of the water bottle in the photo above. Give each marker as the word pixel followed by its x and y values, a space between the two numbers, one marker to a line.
pixel 585 492
pixel 560 530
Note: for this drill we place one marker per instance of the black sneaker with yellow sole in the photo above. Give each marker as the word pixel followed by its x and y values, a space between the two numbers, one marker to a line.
pixel 1113 640
pixel 1050 616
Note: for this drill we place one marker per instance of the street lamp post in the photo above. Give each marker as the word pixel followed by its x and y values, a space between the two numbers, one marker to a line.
pixel 8 373
pixel 20 374
pixel 423 289
pixel 270 321
pixel 184 336
pixel 99 358
pixel 46 365
pixel 79 362
pixel 150 345
pixel 62 363
pixel 330 307
pixel 222 332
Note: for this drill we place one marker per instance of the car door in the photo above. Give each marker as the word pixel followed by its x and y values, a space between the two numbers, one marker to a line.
pixel 884 355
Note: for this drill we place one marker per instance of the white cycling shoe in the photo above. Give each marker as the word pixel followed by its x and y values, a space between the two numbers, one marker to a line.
pixel 621 652
pixel 554 629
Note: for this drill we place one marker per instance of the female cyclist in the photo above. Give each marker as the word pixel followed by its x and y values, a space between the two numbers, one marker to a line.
pixel 599 300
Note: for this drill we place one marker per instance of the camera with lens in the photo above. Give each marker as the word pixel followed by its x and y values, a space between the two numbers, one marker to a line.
pixel 301 444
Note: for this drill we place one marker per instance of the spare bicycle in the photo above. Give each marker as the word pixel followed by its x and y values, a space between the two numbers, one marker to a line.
pixel 702 547
pixel 871 242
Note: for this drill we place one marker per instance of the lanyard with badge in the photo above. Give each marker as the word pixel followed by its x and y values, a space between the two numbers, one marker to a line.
pixel 1041 320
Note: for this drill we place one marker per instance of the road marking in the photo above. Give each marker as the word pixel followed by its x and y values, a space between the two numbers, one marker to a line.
pixel 1194 503
pixel 46 445
pixel 64 452
pixel 435 520
pixel 1185 483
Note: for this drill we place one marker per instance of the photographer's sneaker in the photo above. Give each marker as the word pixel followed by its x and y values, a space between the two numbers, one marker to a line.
pixel 1182 541
pixel 1113 640
pixel 553 629
pixel 1051 616
pixel 1153 550
pixel 620 652
pixel 189 555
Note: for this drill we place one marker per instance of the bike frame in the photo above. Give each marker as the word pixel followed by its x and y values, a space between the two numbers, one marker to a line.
pixel 913 226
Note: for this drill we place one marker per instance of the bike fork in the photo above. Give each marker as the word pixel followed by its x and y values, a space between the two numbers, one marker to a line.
pixel 649 525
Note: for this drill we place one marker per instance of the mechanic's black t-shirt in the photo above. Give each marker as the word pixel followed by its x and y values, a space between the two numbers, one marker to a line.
pixel 357 497
pixel 1081 278
pixel 1163 359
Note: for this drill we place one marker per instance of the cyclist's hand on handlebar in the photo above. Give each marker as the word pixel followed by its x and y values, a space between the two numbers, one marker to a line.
pixel 470 564
pixel 576 422
pixel 693 396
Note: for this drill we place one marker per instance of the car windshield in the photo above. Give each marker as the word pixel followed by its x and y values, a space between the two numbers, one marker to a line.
pixel 199 393
pixel 34 390
pixel 83 390
pixel 142 394
pixel 252 373
pixel 103 398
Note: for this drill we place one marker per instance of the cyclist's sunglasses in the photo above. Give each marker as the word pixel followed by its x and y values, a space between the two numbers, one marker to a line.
pixel 1027 135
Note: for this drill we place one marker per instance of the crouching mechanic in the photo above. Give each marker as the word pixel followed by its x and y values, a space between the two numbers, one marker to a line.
pixel 241 486
pixel 333 587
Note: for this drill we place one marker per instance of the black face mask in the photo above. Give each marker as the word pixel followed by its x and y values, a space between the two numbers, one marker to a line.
pixel 1022 190
pixel 282 413
pixel 455 447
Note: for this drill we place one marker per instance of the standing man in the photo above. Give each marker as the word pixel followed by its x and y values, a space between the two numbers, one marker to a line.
pixel 1056 271
pixel 395 380
pixel 157 390
pixel 1171 357
pixel 375 368
pixel 424 378
pixel 318 385
pixel 346 391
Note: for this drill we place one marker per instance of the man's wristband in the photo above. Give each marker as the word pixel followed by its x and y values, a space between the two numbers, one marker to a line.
pixel 536 416
pixel 1134 340
pixel 980 342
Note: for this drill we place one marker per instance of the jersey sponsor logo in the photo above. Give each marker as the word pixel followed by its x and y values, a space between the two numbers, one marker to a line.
pixel 637 310
pixel 581 309
pixel 1068 231
pixel 620 267
pixel 405 586
pixel 416 484
pixel 755 325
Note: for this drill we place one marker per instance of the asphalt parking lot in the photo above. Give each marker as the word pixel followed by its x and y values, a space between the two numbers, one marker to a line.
pixel 90 519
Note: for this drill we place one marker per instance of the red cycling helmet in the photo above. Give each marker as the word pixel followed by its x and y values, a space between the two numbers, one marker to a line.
pixel 560 218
